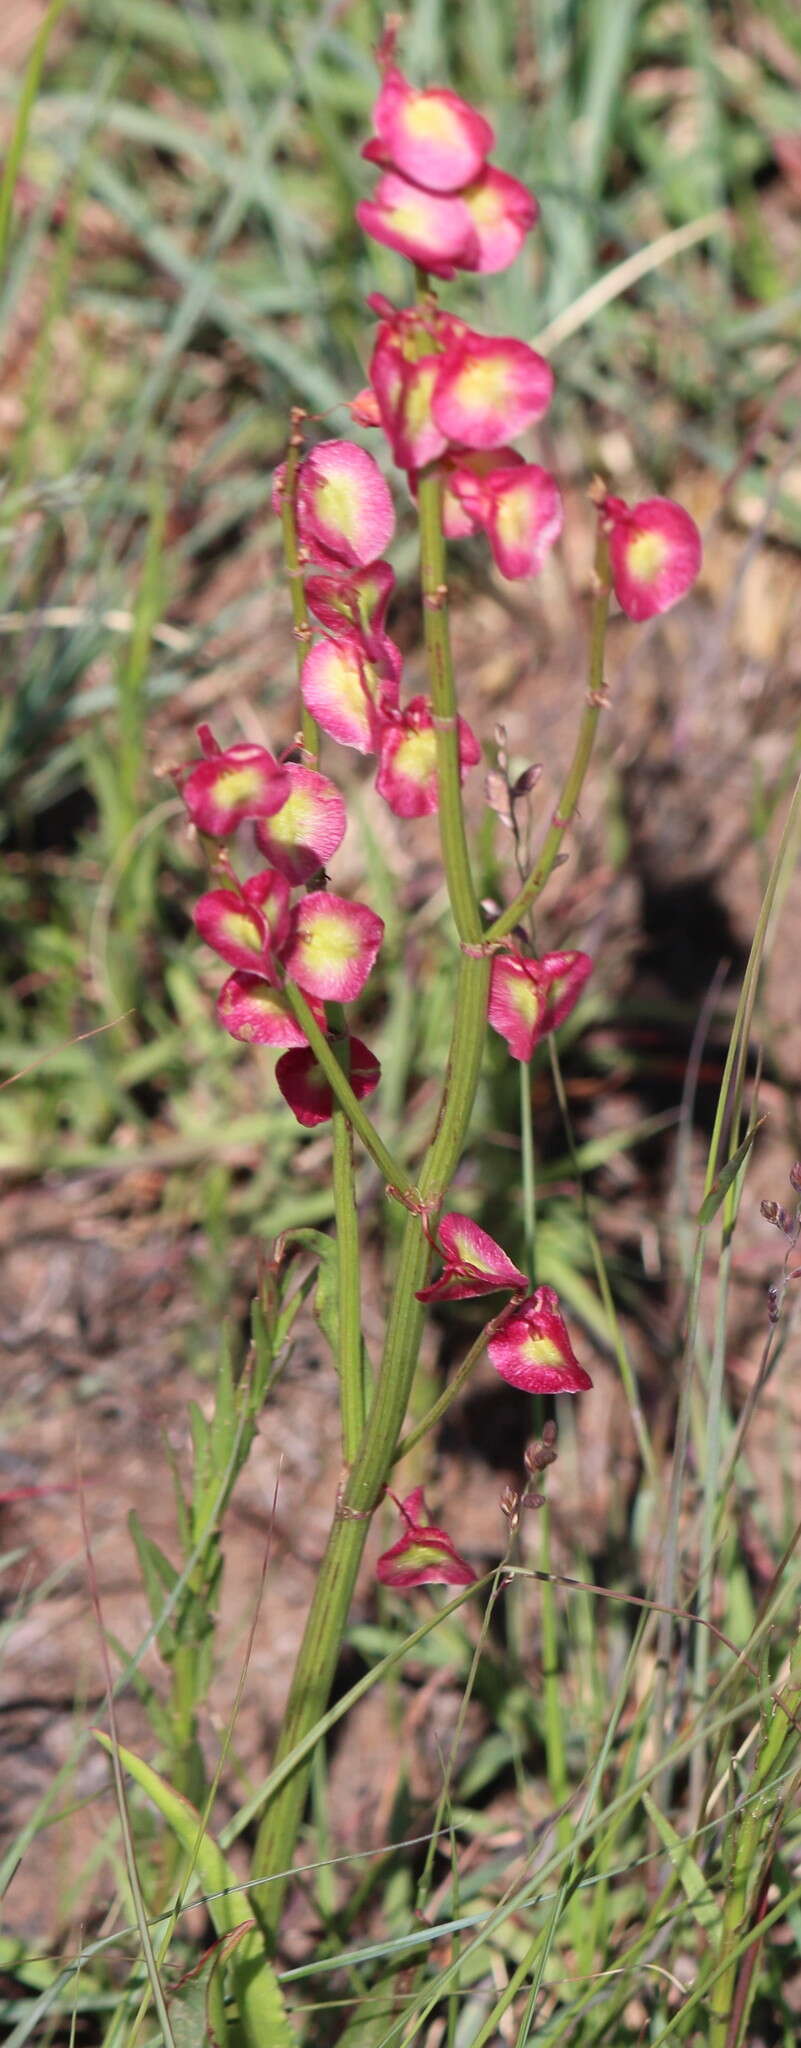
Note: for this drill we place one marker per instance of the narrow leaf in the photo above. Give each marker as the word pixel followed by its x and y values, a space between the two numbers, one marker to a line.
pixel 728 1174
pixel 689 1873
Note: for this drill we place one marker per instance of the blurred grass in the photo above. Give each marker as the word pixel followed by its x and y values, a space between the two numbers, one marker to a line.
pixel 182 266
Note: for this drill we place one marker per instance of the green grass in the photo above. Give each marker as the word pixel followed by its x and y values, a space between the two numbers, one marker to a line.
pixel 180 268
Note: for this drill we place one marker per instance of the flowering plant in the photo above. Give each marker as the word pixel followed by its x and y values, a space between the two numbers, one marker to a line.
pixel 450 403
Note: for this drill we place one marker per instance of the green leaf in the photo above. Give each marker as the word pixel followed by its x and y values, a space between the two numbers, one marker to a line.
pixel 723 1181
pixel 690 1875
pixel 159 1578
pixel 326 1306
pixel 256 1986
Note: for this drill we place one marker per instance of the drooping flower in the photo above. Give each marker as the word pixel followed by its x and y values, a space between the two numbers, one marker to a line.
pixel 357 601
pixel 432 137
pixel 490 390
pixel 465 501
pixel 342 694
pixel 302 836
pixel 473 1263
pixel 518 505
pixel 404 384
pixel 269 893
pixel 533 1351
pixel 502 212
pixel 424 1555
pixel 332 946
pixel 236 930
pixel 529 998
pixel 249 1009
pixel 305 1087
pixel 363 408
pixel 524 518
pixel 435 231
pixel 344 508
pixel 228 786
pixel 407 775
pixel 654 553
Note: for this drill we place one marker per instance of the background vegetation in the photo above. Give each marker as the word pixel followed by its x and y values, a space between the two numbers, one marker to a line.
pixel 179 263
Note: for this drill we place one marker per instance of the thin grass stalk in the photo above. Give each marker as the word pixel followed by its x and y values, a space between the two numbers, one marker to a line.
pixel 753 1825
pixel 729 1104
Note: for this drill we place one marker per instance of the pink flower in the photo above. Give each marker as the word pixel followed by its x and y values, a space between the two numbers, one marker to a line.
pixel 432 137
pixel 404 386
pixel 407 775
pixel 227 787
pixel 517 503
pixel 332 946
pixel 529 998
pixel 466 503
pixel 424 1555
pixel 437 233
pixel 344 508
pixel 654 552
pixel 305 1087
pixel 236 930
pixel 524 518
pixel 301 837
pixel 347 691
pixel 249 1009
pixel 357 600
pixel 363 409
pixel 533 1349
pixel 488 391
pixel 502 212
pixel 473 1263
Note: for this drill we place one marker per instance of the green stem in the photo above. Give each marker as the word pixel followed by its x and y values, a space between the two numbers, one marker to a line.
pixel 364 1485
pixel 346 1218
pixel 574 780
pixel 434 1414
pixel 433 572
pixel 394 1174
pixel 294 567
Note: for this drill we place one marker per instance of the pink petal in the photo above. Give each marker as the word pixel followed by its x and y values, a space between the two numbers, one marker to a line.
pixel 474 1263
pixel 466 1245
pixel 404 390
pixel 335 689
pixel 269 893
pixel 436 233
pixel 363 409
pixel 529 998
pixel 524 519
pixel 533 1349
pixel 424 1555
pixel 502 212
pixel 305 1087
pixel 433 137
pixel 407 775
pixel 517 1004
pixel 248 1008
pixel 243 782
pixel 654 551
pixel 489 390
pixel 563 976
pixel 302 836
pixel 333 946
pixel 234 930
pixel 358 600
pixel 344 505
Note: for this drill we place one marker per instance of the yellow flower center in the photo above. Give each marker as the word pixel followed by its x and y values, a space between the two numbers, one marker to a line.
pixel 645 555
